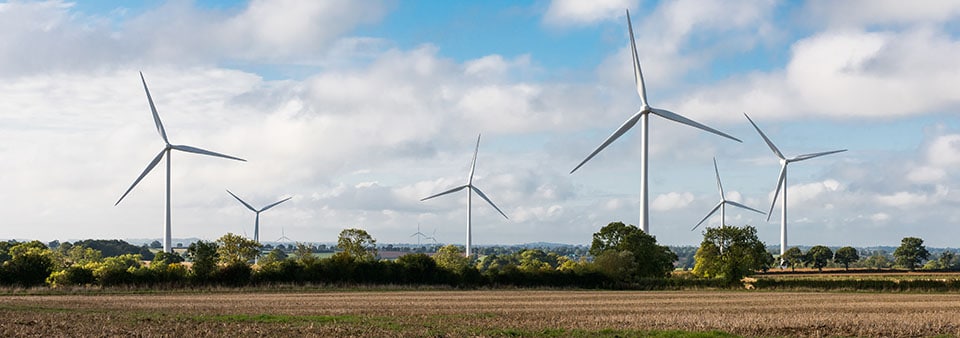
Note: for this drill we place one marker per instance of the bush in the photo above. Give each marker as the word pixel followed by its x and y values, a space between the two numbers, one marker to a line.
pixel 74 275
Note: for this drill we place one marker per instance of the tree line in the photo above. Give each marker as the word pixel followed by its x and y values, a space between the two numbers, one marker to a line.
pixel 620 256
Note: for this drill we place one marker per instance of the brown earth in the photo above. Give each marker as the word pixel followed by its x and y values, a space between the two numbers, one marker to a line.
pixel 479 313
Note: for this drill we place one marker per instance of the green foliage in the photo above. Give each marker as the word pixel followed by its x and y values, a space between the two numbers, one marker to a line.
pixel 166 258
pixel 911 253
pixel 649 259
pixel 205 256
pixel 877 260
pixel 275 256
pixel 114 247
pixel 793 257
pixel 74 275
pixel 117 270
pixel 451 258
pixel 305 255
pixel 235 249
pixel 30 263
pixel 845 256
pixel 731 253
pixel 818 256
pixel 357 244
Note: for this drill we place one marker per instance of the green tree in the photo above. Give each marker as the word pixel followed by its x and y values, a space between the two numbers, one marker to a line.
pixel 792 258
pixel 235 249
pixel 357 244
pixel 948 260
pixel 845 256
pixel 731 253
pixel 305 255
pixel 204 256
pixel 819 256
pixel 911 253
pixel 275 256
pixel 877 260
pixel 30 263
pixel 450 257
pixel 649 259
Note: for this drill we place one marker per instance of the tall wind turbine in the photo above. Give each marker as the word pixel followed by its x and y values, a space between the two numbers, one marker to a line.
pixel 722 205
pixel 642 116
pixel 256 225
pixel 167 150
pixel 470 191
pixel 782 182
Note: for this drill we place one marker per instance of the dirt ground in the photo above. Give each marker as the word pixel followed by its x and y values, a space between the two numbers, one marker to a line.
pixel 479 313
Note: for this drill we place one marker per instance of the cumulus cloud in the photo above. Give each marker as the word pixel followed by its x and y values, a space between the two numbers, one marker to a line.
pixel 575 13
pixel 671 201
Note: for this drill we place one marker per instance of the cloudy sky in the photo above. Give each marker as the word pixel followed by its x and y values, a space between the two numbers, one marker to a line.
pixel 358 109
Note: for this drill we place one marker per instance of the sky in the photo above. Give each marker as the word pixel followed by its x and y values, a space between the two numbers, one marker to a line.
pixel 358 109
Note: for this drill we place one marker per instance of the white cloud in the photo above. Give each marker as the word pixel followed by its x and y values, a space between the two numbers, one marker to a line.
pixel 871 12
pixel 671 201
pixel 576 13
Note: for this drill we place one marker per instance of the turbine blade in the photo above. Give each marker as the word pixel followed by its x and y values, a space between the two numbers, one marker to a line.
pixel 677 118
pixel 780 179
pixel 765 139
pixel 745 207
pixel 637 73
pixel 195 150
pixel 719 185
pixel 484 197
pixel 275 204
pixel 616 134
pixel 153 108
pixel 717 207
pixel 473 164
pixel 809 156
pixel 445 192
pixel 241 201
pixel 143 174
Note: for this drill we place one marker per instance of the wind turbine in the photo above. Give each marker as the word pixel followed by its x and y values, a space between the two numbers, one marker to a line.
pixel 419 234
pixel 167 150
pixel 470 191
pixel 283 236
pixel 642 116
pixel 782 182
pixel 256 226
pixel 722 205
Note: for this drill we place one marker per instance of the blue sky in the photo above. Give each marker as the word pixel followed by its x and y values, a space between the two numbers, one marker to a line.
pixel 359 109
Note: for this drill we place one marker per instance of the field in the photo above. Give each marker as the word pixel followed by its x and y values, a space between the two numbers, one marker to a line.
pixel 481 313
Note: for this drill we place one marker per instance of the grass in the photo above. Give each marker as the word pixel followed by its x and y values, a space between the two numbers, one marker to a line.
pixel 487 313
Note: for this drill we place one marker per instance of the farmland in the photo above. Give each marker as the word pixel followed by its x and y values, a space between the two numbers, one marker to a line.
pixel 481 313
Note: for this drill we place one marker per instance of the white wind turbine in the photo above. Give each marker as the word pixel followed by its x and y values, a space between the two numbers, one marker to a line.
pixel 283 236
pixel 167 150
pixel 782 182
pixel 642 116
pixel 256 225
pixel 419 234
pixel 470 191
pixel 723 202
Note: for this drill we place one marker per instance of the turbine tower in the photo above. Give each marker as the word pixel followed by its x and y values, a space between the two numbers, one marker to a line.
pixel 782 182
pixel 722 205
pixel 256 224
pixel 642 116
pixel 167 151
pixel 470 191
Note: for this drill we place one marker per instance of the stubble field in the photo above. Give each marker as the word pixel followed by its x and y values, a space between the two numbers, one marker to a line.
pixel 481 313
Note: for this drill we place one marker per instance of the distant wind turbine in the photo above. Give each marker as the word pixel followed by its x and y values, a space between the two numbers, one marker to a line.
pixel 723 202
pixel 167 150
pixel 470 191
pixel 256 226
pixel 419 234
pixel 642 116
pixel 283 236
pixel 782 182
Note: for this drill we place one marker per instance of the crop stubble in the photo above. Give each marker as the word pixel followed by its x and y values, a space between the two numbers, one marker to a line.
pixel 469 313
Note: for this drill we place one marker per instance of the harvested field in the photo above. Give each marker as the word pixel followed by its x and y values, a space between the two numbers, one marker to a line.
pixel 481 313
